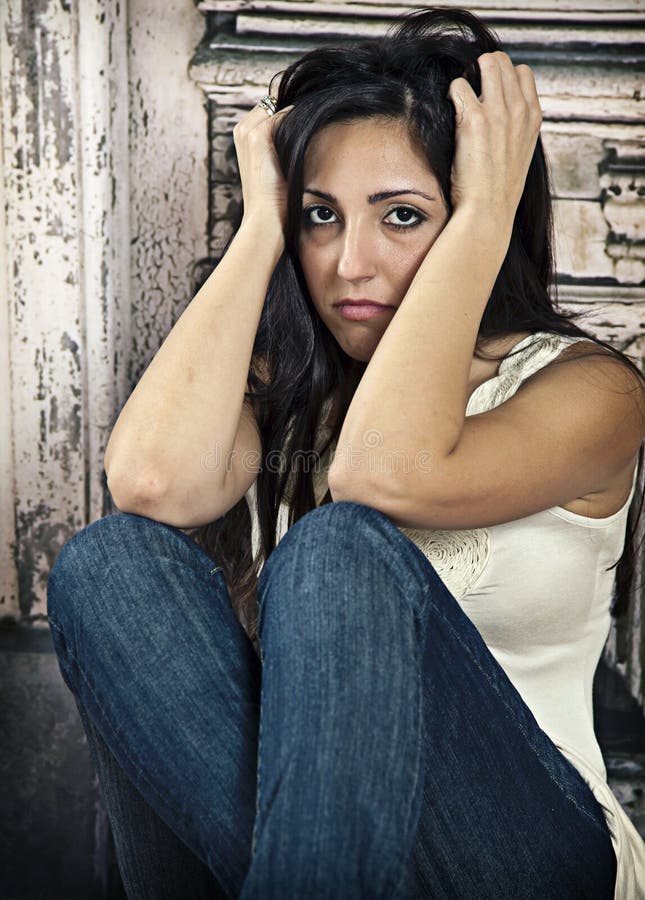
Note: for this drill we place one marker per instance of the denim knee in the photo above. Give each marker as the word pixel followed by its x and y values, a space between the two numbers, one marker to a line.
pixel 123 541
pixel 111 570
pixel 88 551
pixel 338 538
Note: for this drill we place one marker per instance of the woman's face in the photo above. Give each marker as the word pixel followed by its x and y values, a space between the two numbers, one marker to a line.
pixel 371 211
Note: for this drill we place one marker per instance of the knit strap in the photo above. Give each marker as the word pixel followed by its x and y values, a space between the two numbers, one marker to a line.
pixel 528 356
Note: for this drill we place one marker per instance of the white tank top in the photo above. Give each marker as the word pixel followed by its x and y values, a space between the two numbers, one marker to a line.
pixel 538 591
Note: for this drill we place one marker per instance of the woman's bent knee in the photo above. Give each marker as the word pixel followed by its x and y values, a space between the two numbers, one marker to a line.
pixel 351 538
pixel 129 547
pixel 89 551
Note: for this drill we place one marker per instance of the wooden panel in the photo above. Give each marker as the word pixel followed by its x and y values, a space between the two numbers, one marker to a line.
pixel 226 193
pixel 105 248
pixel 44 297
pixel 65 142
pixel 613 313
pixel 234 71
pixel 168 171
pixel 322 26
pixel 569 10
pixel 105 186
pixel 9 573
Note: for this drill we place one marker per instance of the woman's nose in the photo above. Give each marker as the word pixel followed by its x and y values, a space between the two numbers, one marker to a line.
pixel 356 255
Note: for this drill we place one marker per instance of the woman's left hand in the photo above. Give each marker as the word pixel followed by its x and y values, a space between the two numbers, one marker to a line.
pixel 496 135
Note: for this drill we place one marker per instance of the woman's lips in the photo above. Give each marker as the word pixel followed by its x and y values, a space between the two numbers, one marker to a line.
pixel 362 310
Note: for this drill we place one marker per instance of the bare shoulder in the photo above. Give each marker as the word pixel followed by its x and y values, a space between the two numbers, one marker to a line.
pixel 618 383
pixel 611 394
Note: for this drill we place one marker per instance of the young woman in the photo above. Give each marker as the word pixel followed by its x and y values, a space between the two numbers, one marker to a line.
pixel 434 596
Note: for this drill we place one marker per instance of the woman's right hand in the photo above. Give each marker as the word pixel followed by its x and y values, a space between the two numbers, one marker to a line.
pixel 264 188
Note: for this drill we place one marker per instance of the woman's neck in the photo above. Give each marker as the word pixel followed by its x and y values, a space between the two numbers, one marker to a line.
pixel 353 373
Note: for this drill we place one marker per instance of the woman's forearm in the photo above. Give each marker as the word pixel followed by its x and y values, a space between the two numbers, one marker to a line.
pixel 413 393
pixel 414 390
pixel 189 400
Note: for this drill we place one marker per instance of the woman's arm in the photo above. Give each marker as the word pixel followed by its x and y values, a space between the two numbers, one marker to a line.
pixel 167 454
pixel 505 463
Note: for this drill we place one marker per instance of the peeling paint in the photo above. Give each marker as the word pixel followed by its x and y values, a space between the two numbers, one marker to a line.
pixel 40 536
pixel 74 301
pixel 622 199
pixel 36 86
pixel 53 414
pixel 169 208
pixel 67 343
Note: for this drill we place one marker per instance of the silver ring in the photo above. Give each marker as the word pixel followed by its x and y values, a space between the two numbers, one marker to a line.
pixel 269 104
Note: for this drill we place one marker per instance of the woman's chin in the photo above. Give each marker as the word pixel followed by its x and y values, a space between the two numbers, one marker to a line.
pixel 359 356
pixel 360 350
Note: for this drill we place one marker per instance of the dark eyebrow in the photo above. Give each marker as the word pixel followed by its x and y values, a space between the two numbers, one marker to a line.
pixel 373 198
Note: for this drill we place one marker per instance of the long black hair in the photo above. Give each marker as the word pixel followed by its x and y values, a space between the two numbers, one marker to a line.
pixel 297 365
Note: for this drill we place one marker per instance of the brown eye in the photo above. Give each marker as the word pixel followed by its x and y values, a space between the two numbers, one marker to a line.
pixel 319 215
pixel 405 217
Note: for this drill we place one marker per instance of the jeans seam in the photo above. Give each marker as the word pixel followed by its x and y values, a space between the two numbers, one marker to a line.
pixel 418 769
pixel 257 777
pixel 521 728
pixel 180 818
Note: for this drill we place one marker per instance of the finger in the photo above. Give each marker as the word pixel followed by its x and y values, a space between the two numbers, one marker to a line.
pixel 526 81
pixel 513 96
pixel 492 90
pixel 250 120
pixel 260 112
pixel 285 109
pixel 280 114
pixel 463 97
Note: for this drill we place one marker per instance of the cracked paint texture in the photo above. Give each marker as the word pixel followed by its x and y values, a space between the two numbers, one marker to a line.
pixel 104 144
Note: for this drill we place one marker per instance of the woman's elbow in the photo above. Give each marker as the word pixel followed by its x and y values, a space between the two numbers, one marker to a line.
pixel 132 491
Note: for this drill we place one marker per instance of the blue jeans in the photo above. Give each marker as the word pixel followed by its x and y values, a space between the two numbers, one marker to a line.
pixel 376 749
